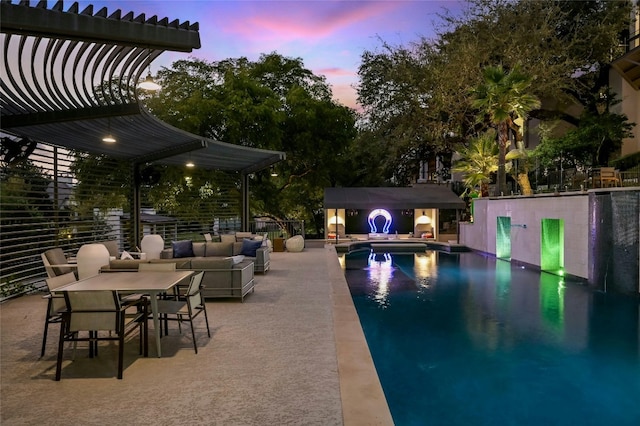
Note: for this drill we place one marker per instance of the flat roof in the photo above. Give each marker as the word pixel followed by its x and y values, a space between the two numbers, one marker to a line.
pixel 415 197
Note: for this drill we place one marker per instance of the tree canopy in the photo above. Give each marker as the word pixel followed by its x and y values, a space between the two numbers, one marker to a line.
pixel 418 95
pixel 273 103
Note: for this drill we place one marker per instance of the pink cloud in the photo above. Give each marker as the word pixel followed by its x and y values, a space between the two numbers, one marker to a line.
pixel 287 21
pixel 336 72
pixel 346 95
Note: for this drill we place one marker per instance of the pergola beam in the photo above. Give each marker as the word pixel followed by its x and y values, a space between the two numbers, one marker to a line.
pixel 98 28
pixel 46 117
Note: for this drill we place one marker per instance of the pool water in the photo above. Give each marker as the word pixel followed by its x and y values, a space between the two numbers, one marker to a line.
pixel 464 339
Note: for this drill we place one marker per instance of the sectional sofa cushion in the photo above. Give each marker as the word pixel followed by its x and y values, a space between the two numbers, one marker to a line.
pixel 182 248
pixel 182 263
pixel 199 249
pixel 236 259
pixel 126 264
pixel 242 235
pixel 219 249
pixel 249 247
pixel 227 238
pixel 211 263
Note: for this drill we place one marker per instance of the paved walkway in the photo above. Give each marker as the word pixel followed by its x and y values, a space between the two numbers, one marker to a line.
pixel 292 353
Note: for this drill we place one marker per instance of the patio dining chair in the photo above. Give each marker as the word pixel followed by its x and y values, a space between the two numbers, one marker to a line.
pixel 186 308
pixel 97 312
pixel 56 304
pixel 56 263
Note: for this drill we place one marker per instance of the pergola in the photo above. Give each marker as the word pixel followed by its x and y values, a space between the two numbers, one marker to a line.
pixel 70 77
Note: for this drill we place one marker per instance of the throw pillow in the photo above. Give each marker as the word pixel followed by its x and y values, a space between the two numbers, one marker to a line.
pixel 126 256
pixel 182 248
pixel 249 247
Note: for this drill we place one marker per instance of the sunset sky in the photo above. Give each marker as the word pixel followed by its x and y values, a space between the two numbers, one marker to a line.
pixel 329 36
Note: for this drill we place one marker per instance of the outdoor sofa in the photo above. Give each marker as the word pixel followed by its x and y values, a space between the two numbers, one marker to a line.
pixel 254 250
pixel 223 276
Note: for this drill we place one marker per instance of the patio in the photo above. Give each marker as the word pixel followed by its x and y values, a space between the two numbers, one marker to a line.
pixel 292 353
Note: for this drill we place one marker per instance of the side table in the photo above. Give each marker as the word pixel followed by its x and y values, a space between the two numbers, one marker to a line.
pixel 278 244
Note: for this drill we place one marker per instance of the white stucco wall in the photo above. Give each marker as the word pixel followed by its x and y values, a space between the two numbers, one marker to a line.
pixel 573 208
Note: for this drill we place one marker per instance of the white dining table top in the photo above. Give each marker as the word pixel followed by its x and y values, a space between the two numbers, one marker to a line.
pixel 128 281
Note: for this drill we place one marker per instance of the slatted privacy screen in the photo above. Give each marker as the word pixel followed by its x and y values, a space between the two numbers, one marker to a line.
pixel 55 198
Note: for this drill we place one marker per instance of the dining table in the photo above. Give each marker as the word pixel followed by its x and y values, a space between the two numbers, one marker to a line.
pixel 149 283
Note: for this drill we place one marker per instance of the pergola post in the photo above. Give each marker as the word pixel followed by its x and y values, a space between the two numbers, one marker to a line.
pixel 245 202
pixel 134 237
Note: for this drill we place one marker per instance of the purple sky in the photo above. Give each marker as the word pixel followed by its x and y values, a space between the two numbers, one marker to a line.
pixel 329 36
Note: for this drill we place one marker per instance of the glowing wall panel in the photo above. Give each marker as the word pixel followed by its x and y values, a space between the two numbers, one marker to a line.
pixel 373 228
pixel 503 237
pixel 552 245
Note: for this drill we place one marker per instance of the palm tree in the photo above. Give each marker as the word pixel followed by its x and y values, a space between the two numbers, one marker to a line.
pixel 525 160
pixel 478 161
pixel 503 97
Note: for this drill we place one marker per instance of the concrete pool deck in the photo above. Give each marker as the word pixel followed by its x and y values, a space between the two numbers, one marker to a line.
pixel 292 353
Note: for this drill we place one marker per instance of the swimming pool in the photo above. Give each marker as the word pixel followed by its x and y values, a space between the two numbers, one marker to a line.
pixel 464 339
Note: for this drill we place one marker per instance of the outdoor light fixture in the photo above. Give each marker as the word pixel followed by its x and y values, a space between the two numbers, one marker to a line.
pixel 190 164
pixel 148 83
pixel 424 219
pixel 273 172
pixel 109 137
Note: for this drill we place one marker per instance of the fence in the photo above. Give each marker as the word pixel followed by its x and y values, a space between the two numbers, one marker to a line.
pixel 574 180
pixel 44 204
pixel 278 229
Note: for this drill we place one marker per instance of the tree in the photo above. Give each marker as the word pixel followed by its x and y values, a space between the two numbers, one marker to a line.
pixel 594 142
pixel 419 93
pixel 503 97
pixel 400 117
pixel 113 175
pixel 565 46
pixel 273 103
pixel 524 158
pixel 478 161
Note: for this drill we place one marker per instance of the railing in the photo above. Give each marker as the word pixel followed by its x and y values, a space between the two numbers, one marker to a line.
pixel 630 178
pixel 278 229
pixel 572 180
pixel 273 228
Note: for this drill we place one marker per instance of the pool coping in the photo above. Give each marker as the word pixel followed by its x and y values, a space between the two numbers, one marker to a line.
pixel 363 400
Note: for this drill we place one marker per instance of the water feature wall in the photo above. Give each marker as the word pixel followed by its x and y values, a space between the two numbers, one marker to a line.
pixel 601 233
pixel 527 215
pixel 614 239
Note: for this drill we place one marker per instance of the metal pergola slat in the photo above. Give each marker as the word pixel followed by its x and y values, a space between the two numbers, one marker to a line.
pixel 69 78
